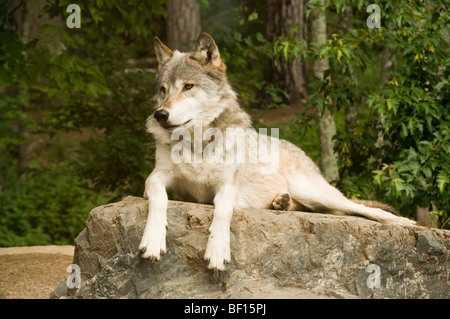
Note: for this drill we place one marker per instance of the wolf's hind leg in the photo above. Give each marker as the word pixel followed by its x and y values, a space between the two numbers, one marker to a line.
pixel 315 193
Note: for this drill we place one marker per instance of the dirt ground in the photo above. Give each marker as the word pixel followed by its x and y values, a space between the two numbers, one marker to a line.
pixel 33 272
pixel 282 115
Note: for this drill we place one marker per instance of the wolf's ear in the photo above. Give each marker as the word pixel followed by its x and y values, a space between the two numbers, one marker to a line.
pixel 163 53
pixel 206 52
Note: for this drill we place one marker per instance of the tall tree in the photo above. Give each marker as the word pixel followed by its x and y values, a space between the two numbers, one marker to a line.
pixel 28 24
pixel 183 24
pixel 327 127
pixel 387 65
pixel 282 17
pixel 351 112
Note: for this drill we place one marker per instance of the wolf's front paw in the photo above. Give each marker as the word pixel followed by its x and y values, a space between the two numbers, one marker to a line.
pixel 218 251
pixel 153 243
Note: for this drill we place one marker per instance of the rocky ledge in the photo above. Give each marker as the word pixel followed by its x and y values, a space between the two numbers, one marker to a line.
pixel 274 255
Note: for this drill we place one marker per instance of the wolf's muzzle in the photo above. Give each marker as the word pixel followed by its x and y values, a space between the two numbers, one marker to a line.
pixel 161 116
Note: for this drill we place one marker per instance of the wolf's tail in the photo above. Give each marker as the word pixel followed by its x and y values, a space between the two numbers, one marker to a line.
pixel 377 204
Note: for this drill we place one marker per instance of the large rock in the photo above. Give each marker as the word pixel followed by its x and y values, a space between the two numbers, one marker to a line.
pixel 274 255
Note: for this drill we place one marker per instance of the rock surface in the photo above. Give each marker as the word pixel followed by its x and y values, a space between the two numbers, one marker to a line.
pixel 274 255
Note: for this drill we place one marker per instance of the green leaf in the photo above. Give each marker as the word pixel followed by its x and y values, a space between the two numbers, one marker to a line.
pixel 389 104
pixel 96 88
pixel 378 176
pixel 253 16
pixel 399 185
pixel 48 29
pixel 442 180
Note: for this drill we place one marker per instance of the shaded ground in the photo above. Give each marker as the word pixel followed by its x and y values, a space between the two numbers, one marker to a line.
pixel 282 115
pixel 33 272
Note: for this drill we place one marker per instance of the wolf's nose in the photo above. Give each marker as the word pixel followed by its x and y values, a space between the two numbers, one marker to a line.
pixel 161 115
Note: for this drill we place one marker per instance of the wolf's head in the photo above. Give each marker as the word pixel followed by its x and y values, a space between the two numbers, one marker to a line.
pixel 191 86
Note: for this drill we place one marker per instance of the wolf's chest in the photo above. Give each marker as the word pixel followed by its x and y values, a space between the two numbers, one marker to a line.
pixel 202 173
pixel 194 172
pixel 199 181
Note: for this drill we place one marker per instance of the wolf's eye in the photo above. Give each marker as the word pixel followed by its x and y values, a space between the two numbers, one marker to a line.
pixel 163 90
pixel 188 86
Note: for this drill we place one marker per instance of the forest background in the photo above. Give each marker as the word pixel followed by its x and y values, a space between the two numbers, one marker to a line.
pixel 370 105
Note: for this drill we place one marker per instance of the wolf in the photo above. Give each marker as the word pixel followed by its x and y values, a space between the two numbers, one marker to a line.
pixel 192 87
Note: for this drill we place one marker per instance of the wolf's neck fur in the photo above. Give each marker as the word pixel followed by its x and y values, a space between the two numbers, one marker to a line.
pixel 232 116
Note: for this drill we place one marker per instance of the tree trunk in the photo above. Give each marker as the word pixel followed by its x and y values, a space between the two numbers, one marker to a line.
pixel 23 16
pixel 282 16
pixel 327 127
pixel 386 65
pixel 184 24
pixel 351 112
pixel 327 130
pixel 424 217
pixel 28 20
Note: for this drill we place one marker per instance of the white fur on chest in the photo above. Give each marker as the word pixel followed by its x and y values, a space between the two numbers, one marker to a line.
pixel 200 181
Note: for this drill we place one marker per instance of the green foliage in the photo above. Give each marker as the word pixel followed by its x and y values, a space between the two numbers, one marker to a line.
pixel 244 50
pixel 88 81
pixel 289 47
pixel 415 107
pixel 401 134
pixel 49 208
pixel 116 101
